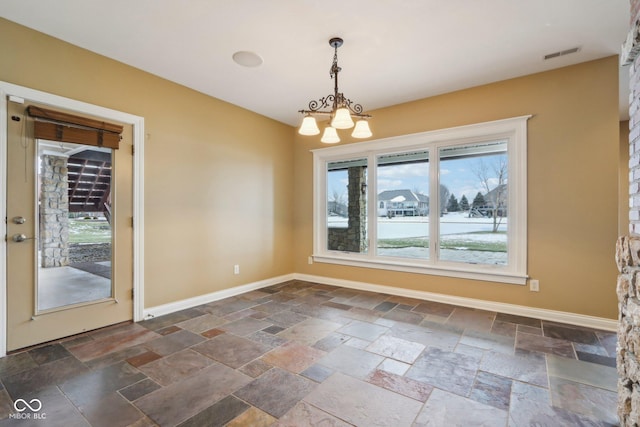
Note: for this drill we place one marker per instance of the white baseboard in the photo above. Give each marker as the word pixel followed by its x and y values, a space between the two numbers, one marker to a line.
pixel 500 307
pixel 172 307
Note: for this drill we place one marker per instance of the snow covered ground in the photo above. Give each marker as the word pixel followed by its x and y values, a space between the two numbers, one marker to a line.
pixel 468 256
pixel 418 226
pixel 454 227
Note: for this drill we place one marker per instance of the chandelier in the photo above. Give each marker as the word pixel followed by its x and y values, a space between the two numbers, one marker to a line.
pixel 342 113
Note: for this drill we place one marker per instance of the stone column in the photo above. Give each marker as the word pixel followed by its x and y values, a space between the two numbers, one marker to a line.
pixel 628 247
pixel 354 237
pixel 54 212
pixel 357 234
pixel 628 349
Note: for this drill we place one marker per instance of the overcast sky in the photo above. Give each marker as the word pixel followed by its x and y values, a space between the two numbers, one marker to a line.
pixel 457 175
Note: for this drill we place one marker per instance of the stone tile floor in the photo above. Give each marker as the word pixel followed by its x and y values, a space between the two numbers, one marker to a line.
pixel 305 354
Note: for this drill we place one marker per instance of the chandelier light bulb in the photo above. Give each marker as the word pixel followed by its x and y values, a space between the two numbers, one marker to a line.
pixel 330 136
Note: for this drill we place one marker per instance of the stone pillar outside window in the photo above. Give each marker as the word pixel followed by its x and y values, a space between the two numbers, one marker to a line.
pixel 54 212
pixel 628 247
pixel 354 237
pixel 357 236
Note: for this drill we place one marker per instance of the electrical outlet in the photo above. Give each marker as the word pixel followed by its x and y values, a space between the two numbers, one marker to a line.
pixel 534 285
pixel 236 269
pixel 310 260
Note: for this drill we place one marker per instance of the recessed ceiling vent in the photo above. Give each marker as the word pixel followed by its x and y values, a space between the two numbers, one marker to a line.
pixel 562 53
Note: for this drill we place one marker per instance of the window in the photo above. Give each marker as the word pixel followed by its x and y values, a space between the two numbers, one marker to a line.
pixel 449 202
pixel 403 185
pixel 477 233
pixel 347 202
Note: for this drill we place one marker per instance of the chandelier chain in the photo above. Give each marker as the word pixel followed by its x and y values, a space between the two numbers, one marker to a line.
pixel 334 67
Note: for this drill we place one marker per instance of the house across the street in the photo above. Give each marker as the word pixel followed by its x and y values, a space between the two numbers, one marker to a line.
pixel 402 203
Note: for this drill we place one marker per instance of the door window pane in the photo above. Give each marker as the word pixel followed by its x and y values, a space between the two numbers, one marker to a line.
pixel 75 233
pixel 473 203
pixel 403 205
pixel 347 206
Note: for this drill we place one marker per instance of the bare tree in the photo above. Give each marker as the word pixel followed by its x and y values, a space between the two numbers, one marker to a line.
pixel 493 178
pixel 423 201
pixel 444 197
pixel 336 201
pixel 416 189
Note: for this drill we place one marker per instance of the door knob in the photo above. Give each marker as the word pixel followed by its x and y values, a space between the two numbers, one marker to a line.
pixel 21 238
pixel 19 220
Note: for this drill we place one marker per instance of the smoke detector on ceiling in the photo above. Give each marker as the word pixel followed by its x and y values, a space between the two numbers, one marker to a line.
pixel 562 53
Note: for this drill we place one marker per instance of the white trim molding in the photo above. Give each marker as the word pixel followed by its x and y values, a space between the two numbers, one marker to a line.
pixel 500 307
pixel 184 304
pixel 518 310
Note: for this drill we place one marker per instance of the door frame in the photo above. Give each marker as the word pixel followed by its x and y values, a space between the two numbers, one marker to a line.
pixel 21 93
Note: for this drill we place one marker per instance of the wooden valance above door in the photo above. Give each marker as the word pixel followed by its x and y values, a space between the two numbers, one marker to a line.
pixel 63 127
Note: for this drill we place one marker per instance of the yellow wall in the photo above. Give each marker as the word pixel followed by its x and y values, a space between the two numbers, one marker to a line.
pixel 217 178
pixel 225 186
pixel 573 155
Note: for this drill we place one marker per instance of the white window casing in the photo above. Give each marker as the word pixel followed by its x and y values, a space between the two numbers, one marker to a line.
pixel 512 130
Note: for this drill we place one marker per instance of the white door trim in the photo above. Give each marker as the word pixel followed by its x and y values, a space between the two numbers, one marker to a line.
pixel 21 92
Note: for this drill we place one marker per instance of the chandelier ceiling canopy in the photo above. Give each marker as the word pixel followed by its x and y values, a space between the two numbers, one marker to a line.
pixel 340 110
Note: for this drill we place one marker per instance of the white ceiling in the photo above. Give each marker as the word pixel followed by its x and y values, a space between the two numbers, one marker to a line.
pixel 394 51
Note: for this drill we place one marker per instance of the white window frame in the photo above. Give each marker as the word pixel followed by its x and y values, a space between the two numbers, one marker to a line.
pixel 513 130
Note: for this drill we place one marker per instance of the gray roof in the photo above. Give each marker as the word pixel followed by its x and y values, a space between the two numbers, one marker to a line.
pixel 407 194
pixel 500 191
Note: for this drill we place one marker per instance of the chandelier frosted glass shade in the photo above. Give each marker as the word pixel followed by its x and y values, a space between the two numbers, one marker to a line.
pixel 309 126
pixel 340 110
pixel 342 119
pixel 330 135
pixel 361 130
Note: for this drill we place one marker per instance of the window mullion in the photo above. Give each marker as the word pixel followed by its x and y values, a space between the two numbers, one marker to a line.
pixel 372 208
pixel 434 205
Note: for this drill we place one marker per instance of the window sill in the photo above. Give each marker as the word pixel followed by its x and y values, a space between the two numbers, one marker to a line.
pixel 487 274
